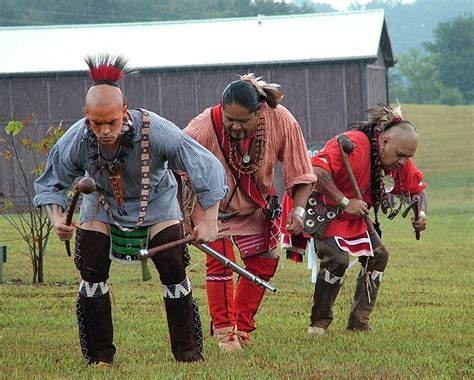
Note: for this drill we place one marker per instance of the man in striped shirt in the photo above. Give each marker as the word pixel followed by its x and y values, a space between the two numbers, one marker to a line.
pixel 249 132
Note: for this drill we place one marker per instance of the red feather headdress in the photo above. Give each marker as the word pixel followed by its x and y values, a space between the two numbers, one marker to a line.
pixel 107 68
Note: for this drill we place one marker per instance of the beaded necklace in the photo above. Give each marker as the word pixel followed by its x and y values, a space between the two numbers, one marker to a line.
pixel 249 162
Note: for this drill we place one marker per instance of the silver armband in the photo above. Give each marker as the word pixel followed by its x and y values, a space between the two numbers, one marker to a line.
pixel 344 203
pixel 298 210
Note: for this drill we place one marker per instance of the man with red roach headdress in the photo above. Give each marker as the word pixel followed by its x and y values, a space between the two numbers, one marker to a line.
pixel 249 132
pixel 379 160
pixel 130 155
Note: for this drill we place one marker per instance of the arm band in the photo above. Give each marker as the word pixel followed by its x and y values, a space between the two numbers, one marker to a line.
pixel 298 210
pixel 344 203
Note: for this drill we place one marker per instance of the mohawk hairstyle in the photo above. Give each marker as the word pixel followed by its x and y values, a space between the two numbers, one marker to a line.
pixel 108 69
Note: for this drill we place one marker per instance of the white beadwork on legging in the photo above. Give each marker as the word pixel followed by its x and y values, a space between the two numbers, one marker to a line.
pixel 93 289
pixel 177 290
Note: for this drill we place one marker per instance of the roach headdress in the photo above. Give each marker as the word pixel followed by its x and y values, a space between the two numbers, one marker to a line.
pixel 107 68
pixel 383 116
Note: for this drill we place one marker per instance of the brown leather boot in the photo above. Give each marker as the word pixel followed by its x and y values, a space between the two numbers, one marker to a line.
pixel 179 312
pixel 94 317
pixel 325 292
pixel 364 300
pixel 93 309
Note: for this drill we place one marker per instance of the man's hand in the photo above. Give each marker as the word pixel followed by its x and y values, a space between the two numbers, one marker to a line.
pixel 207 230
pixel 64 231
pixel 294 224
pixel 58 220
pixel 294 220
pixel 357 208
pixel 419 224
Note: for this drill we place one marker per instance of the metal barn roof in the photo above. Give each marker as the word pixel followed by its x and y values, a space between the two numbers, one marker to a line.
pixel 220 42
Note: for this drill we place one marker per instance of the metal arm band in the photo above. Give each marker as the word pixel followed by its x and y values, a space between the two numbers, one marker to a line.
pixel 344 203
pixel 298 210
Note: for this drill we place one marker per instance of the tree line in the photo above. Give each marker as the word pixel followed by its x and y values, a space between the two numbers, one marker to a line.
pixel 442 75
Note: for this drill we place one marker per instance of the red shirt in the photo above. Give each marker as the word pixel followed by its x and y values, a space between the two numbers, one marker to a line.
pixel 408 179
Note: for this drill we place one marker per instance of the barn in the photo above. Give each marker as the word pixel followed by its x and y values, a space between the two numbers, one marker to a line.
pixel 332 67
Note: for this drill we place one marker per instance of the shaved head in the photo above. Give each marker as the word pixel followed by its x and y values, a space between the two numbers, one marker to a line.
pixel 403 130
pixel 105 113
pixel 104 95
pixel 397 145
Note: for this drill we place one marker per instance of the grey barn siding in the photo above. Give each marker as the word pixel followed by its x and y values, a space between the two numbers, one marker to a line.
pixel 323 97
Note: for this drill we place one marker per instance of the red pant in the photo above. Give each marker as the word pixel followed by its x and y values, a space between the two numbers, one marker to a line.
pixel 225 308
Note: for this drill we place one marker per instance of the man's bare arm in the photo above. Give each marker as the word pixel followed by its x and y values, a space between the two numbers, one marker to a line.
pixel 326 186
pixel 58 220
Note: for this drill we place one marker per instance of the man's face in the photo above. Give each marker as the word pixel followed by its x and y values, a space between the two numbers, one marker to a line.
pixel 106 121
pixel 238 120
pixel 396 149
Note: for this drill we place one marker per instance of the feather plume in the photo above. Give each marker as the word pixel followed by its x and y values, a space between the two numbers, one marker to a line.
pixel 262 87
pixel 383 115
pixel 107 68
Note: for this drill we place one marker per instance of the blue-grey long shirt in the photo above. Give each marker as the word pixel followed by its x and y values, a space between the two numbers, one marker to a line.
pixel 170 149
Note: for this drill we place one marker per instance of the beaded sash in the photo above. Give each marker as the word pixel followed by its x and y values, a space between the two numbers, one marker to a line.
pixel 145 178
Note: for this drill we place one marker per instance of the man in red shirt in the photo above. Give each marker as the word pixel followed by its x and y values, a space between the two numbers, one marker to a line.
pixel 382 153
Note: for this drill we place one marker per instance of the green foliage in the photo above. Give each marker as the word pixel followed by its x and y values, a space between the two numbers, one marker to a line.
pixel 410 24
pixel 13 127
pixel 23 153
pixel 422 83
pixel 446 76
pixel 451 96
pixel 416 79
pixel 453 52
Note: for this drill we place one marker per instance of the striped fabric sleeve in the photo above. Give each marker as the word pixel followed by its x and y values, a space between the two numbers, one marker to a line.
pixel 200 127
pixel 182 153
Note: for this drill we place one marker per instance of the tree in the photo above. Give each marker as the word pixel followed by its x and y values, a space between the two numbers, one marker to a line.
pixel 453 50
pixel 410 24
pixel 418 78
pixel 22 152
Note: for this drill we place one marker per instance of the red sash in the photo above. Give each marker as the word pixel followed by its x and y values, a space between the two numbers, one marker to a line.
pixel 248 245
pixel 247 181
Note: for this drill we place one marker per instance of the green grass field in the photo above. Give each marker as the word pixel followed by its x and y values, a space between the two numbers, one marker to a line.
pixel 423 321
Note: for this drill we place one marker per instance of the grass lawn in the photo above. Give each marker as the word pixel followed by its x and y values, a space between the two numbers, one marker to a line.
pixel 423 321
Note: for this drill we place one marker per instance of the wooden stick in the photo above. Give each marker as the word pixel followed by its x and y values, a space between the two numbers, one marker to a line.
pixel 153 251
pixel 84 185
pixel 188 239
pixel 374 236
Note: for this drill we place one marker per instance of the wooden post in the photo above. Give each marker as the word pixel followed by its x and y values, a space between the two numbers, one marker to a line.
pixel 3 259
